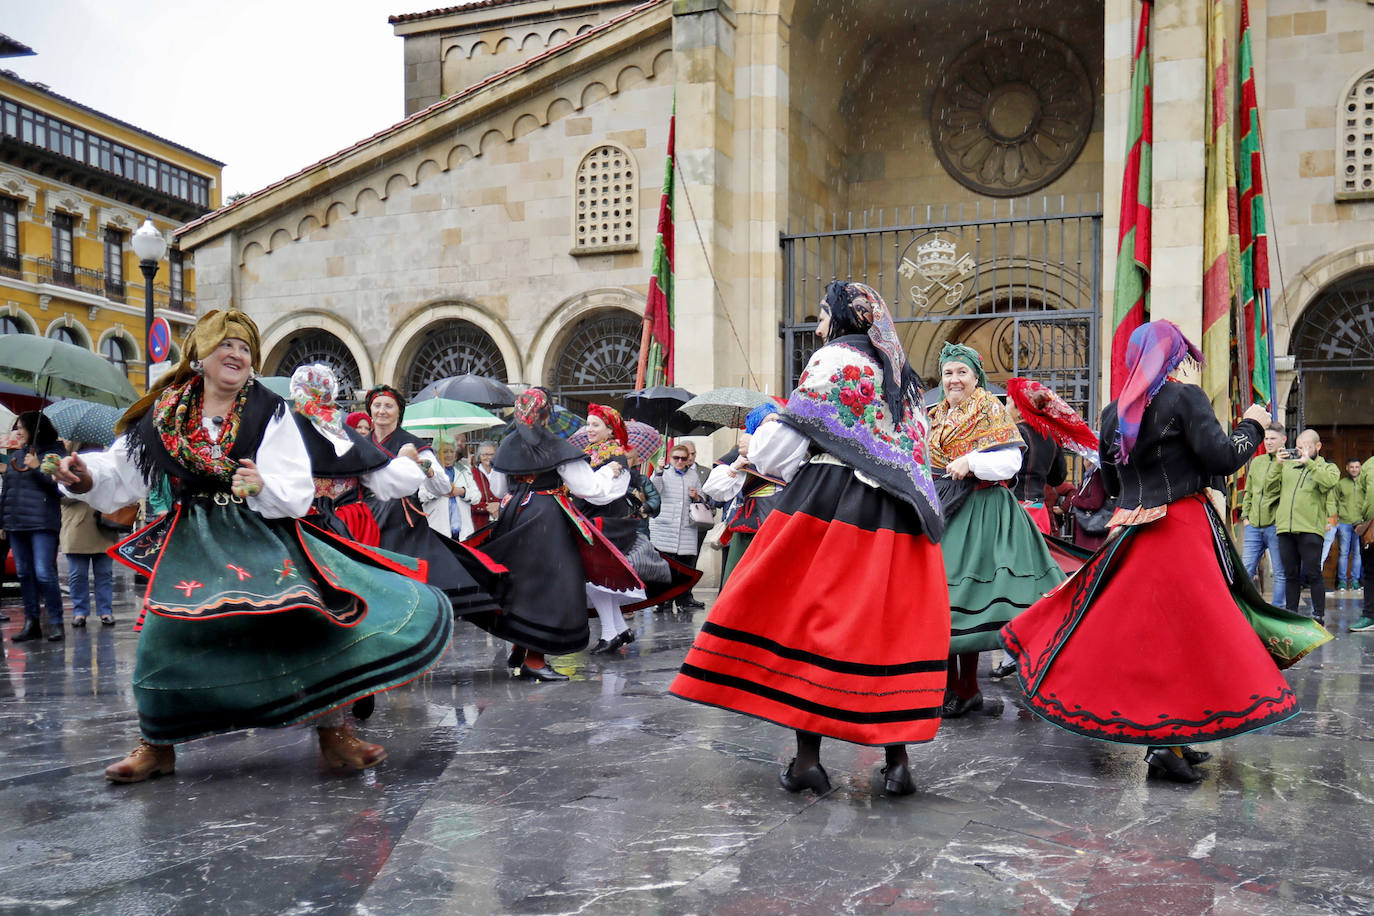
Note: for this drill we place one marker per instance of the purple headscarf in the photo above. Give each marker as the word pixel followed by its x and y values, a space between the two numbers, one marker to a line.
pixel 1155 349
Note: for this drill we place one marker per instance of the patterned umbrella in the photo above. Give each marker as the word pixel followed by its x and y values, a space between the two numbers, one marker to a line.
pixel 84 421
pixel 724 406
pixel 563 423
pixel 644 439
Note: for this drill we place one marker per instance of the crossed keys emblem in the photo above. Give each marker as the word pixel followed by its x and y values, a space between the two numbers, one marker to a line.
pixel 938 273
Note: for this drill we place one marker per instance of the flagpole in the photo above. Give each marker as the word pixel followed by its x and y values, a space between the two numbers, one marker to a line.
pixel 1269 345
pixel 644 336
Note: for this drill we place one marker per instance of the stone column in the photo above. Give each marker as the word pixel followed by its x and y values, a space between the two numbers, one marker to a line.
pixel 1180 84
pixel 704 65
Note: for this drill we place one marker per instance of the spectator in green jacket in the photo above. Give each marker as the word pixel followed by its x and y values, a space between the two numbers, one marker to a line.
pixel 1344 516
pixel 1364 497
pixel 1259 536
pixel 1299 492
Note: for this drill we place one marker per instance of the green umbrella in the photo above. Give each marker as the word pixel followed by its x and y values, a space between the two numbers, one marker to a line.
pixel 277 384
pixel 56 369
pixel 437 416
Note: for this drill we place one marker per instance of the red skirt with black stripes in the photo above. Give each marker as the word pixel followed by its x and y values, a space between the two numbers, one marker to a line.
pixel 835 621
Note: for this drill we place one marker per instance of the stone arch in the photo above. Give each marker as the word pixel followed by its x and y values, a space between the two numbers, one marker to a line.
pixel 533 39
pixel 663 62
pixel 505 46
pixel 335 212
pixel 458 155
pixel 1310 283
pixel 394 183
pixel 558 326
pixel 593 93
pixel 254 250
pixel 583 29
pixel 558 36
pixel 628 77
pixel 427 169
pixel 22 318
pixel 83 336
pixel 400 348
pixel 478 47
pixel 594 358
pixel 490 140
pixel 525 124
pixel 278 239
pixel 558 108
pixel 277 338
pixel 368 202
pixel 305 227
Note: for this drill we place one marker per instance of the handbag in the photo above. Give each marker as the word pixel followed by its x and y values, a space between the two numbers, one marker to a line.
pixel 120 521
pixel 1094 523
pixel 701 515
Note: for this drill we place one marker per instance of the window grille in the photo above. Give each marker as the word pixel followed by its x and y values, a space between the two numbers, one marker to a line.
pixel 604 193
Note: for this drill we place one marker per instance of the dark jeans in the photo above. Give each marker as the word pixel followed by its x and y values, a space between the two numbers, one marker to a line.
pixel 1302 556
pixel 35 560
pixel 686 559
pixel 1367 558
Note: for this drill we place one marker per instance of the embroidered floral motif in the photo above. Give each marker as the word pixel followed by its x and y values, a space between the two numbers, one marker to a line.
pixel 287 571
pixel 855 391
pixel 177 416
pixel 189 587
pixel 242 573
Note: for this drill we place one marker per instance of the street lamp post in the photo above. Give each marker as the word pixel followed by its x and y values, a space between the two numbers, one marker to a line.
pixel 150 247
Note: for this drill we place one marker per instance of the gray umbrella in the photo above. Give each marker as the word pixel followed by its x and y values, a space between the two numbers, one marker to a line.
pixel 724 406
pixel 84 421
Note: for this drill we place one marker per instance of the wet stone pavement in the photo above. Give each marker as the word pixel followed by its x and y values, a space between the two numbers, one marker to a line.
pixel 606 795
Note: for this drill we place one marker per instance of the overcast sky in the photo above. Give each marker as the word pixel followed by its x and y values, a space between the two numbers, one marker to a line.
pixel 265 86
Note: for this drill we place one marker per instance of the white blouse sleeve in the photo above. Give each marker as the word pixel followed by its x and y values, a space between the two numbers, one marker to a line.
pixel 399 477
pixel 498 482
pixel 116 481
pixel 439 484
pixel 778 450
pixel 724 483
pixel 597 487
pixel 288 488
pixel 996 464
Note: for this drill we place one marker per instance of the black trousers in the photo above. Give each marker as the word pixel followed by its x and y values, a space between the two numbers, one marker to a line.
pixel 1367 557
pixel 686 559
pixel 1302 556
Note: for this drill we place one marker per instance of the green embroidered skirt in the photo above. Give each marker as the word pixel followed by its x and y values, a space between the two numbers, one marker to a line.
pixel 997 565
pixel 253 622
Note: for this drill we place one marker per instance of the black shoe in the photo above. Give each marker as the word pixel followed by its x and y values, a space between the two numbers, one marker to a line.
pixel 663 607
pixel 814 778
pixel 57 634
pixel 691 604
pixel 897 780
pixel 600 648
pixel 30 630
pixel 1195 757
pixel 107 620
pixel 955 706
pixel 364 708
pixel 623 638
pixel 540 674
pixel 78 623
pixel 1165 763
pixel 516 658
pixel 1003 670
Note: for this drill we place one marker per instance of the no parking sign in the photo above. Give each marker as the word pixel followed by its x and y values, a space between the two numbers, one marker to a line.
pixel 159 339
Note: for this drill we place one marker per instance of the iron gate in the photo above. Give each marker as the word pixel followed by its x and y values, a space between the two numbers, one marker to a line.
pixel 1019 280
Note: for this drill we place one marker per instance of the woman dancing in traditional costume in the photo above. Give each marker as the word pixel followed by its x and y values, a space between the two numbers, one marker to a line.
pixel 552 550
pixel 996 562
pixel 835 622
pixel 471 580
pixel 748 494
pixel 251 618
pixel 1167 582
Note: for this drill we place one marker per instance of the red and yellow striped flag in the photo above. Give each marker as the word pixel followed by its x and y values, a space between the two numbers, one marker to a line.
pixel 1221 228
pixel 1131 298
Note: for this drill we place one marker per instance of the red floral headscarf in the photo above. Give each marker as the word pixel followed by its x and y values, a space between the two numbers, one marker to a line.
pixel 601 452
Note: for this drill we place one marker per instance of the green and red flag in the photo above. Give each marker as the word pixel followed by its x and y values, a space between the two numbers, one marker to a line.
pixel 1131 298
pixel 1254 242
pixel 656 343
pixel 1220 226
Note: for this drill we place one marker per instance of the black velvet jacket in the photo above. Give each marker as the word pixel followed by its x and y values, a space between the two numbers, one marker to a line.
pixel 1043 465
pixel 1181 449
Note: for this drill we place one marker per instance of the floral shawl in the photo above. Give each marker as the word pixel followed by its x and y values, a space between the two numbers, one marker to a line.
pixel 840 405
pixel 177 415
pixel 978 424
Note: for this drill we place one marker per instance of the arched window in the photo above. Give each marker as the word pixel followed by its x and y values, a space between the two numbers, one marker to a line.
pixel 10 325
pixel 598 363
pixel 1333 346
pixel 309 347
pixel 117 352
pixel 66 335
pixel 605 190
pixel 454 348
pixel 1355 120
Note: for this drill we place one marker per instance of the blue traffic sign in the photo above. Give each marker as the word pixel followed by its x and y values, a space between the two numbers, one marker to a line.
pixel 159 339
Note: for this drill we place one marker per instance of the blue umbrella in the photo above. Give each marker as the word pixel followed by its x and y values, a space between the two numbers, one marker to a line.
pixel 84 421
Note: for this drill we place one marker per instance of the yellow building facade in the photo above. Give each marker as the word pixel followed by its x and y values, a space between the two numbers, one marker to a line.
pixel 74 186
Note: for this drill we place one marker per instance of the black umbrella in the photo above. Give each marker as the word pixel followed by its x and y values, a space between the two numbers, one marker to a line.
pixel 475 389
pixel 655 405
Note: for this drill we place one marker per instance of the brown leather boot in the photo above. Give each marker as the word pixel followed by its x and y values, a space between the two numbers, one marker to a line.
pixel 342 748
pixel 144 761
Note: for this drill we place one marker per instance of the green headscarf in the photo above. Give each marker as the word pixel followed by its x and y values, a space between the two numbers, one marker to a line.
pixel 958 353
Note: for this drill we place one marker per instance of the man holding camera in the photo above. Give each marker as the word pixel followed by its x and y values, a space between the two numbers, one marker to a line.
pixel 1300 489
pixel 1259 535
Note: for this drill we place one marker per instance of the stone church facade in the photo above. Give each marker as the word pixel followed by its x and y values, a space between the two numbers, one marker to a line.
pixel 963 158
